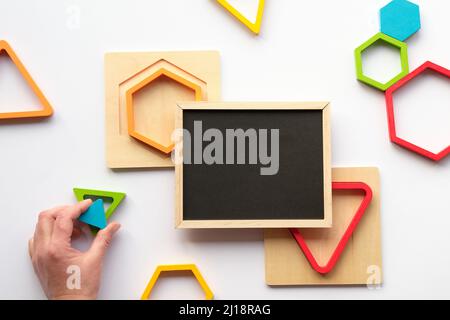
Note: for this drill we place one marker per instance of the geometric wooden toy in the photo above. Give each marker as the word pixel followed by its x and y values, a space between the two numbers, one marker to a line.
pixel 165 145
pixel 358 263
pixel 115 198
pixel 400 19
pixel 381 37
pixel 46 110
pixel 427 66
pixel 95 215
pixel 253 26
pixel 153 107
pixel 176 268
pixel 297 234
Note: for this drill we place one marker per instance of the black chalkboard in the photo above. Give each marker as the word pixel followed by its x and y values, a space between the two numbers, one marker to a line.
pixel 238 191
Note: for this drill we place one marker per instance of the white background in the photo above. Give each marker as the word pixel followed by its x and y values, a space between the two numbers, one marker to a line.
pixel 304 52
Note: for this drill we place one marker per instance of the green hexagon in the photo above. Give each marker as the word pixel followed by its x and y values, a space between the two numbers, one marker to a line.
pixel 403 59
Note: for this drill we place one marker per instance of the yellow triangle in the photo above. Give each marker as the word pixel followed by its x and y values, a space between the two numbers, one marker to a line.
pixel 47 109
pixel 253 26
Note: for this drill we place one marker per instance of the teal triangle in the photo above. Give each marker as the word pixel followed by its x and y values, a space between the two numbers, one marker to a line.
pixel 95 215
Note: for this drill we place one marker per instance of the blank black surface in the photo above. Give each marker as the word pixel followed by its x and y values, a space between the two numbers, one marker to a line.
pixel 239 192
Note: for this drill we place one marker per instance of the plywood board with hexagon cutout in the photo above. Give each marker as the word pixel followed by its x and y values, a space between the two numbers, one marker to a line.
pixel 359 263
pixel 141 90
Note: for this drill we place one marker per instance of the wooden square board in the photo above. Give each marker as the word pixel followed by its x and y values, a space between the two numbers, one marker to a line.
pixel 359 263
pixel 125 70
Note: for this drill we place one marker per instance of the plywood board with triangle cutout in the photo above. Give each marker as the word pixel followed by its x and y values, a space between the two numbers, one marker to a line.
pixel 359 263
pixel 154 107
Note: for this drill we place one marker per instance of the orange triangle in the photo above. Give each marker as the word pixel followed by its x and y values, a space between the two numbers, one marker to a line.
pixel 47 109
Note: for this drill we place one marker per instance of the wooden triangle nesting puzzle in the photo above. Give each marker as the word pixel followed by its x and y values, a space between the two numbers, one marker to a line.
pixel 360 263
pixel 46 110
pixel 95 215
pixel 297 234
pixel 255 27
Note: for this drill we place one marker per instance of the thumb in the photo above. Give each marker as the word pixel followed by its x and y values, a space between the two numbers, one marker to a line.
pixel 103 240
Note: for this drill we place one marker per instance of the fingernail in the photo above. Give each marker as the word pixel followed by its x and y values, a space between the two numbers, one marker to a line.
pixel 116 227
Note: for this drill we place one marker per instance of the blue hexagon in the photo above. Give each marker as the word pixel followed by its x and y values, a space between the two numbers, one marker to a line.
pixel 400 19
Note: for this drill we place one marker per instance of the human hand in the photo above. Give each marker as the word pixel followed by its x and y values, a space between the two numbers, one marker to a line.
pixel 63 271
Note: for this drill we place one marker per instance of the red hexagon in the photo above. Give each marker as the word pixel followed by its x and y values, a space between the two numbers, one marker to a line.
pixel 391 117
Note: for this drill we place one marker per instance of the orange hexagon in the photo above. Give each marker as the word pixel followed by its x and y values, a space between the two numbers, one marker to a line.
pixel 130 108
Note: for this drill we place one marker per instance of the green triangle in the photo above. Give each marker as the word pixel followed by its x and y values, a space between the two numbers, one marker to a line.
pixel 114 197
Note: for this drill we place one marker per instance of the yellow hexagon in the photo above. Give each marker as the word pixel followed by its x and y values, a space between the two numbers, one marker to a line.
pixel 179 267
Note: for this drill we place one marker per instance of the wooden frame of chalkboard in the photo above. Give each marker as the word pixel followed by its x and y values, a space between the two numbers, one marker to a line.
pixel 318 162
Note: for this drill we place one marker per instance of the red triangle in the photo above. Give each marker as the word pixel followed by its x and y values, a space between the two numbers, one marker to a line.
pixel 348 233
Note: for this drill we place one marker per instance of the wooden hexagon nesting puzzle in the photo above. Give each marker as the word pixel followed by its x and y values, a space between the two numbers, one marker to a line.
pixel 329 260
pixel 141 94
pixel 160 115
